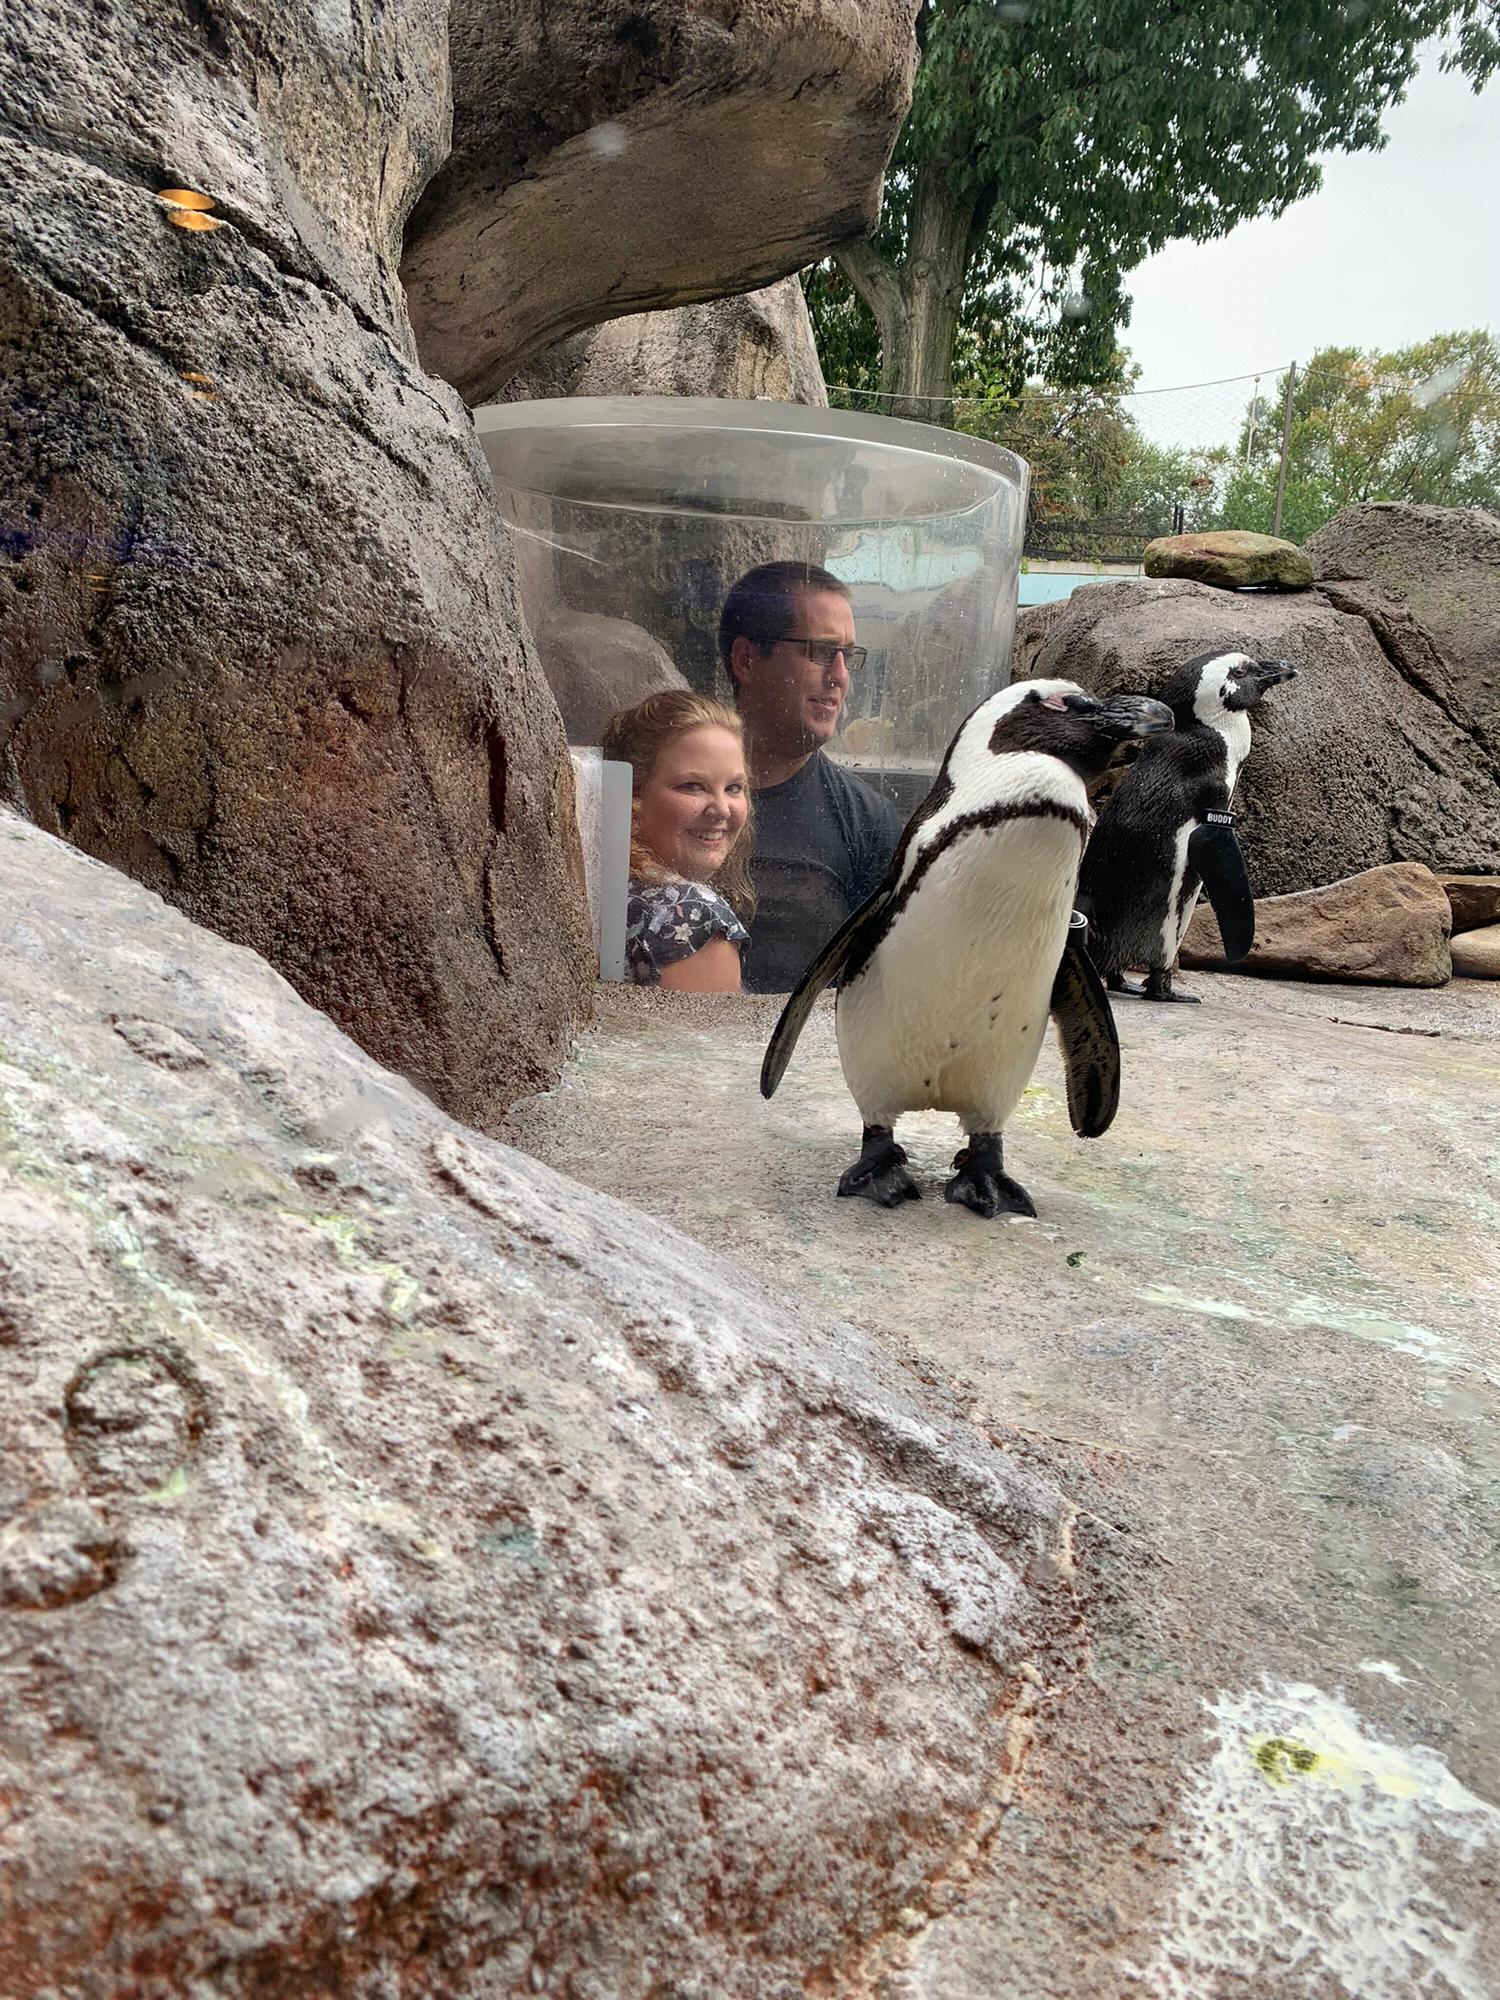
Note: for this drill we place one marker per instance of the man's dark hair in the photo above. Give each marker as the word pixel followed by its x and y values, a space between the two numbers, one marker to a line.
pixel 759 607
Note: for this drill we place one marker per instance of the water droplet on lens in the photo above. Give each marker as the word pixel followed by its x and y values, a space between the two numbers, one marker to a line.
pixel 1443 383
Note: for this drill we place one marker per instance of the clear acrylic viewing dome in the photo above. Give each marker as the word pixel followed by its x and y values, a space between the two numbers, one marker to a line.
pixel 633 516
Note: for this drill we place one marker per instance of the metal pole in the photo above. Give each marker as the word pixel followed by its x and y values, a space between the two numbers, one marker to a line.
pixel 1286 446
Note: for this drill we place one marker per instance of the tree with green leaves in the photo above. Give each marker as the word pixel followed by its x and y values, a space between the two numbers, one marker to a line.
pixel 1421 424
pixel 1052 146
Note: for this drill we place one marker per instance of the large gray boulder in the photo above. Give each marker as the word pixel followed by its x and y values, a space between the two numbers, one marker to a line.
pixel 1353 765
pixel 259 642
pixel 596 666
pixel 1428 581
pixel 756 345
pixel 638 154
pixel 419 1574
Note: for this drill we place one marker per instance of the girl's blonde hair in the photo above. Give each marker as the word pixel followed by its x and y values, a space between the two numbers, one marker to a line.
pixel 637 737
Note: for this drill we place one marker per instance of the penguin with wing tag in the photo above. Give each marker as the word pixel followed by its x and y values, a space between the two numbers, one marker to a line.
pixel 1168 830
pixel 947 975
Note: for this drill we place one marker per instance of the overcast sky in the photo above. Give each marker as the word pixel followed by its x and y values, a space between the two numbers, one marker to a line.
pixel 1395 246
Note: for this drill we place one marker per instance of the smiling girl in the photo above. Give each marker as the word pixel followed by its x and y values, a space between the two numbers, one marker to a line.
pixel 690 895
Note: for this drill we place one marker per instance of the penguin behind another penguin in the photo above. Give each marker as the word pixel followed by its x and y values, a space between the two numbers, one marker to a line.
pixel 1165 830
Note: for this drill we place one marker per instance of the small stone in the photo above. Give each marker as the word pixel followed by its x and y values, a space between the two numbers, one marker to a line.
pixel 1232 559
pixel 1476 955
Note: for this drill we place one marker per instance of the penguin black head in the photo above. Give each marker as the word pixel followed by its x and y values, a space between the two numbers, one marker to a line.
pixel 1058 719
pixel 1244 689
pixel 1206 686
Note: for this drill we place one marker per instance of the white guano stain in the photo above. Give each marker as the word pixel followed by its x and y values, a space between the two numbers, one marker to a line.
pixel 1314 1856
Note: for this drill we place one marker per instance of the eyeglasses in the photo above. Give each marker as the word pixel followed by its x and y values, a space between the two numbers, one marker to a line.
pixel 823 652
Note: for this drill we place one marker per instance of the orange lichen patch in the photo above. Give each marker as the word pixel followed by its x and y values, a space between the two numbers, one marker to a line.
pixel 186 198
pixel 192 218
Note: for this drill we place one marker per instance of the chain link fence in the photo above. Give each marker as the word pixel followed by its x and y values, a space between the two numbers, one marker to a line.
pixel 1112 469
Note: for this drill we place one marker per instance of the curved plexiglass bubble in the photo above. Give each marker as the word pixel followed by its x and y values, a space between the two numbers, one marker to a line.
pixel 633 516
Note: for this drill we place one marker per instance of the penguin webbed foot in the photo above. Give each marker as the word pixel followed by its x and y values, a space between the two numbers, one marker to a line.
pixel 1118 983
pixel 981 1182
pixel 1159 987
pixel 880 1171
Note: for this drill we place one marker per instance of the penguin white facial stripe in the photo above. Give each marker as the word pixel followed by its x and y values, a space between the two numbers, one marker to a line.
pixel 1208 703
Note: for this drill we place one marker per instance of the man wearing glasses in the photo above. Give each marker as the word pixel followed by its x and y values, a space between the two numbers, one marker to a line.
pixel 823 838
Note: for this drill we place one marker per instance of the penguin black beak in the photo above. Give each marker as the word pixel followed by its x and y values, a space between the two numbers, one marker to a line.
pixel 1269 672
pixel 1132 715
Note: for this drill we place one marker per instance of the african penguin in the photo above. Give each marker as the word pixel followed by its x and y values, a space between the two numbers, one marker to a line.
pixel 946 976
pixel 1167 831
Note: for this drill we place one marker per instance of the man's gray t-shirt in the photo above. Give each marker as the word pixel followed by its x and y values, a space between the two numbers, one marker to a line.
pixel 823 841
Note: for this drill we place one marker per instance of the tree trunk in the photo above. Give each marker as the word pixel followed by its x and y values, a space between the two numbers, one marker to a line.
pixel 917 305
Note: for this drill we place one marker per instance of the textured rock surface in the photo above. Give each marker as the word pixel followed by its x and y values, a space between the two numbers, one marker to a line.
pixel 1474 900
pixel 597 665
pixel 612 159
pixel 1231 558
pixel 411 1578
pixel 1258 1320
pixel 258 642
pixel 759 344
pixel 1476 955
pixel 1386 927
pixel 1428 580
pixel 1353 765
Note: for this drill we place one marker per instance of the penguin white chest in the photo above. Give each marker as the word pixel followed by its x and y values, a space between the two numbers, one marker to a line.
pixel 1235 730
pixel 950 1011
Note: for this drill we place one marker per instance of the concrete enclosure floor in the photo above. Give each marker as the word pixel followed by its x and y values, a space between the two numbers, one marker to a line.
pixel 1253 1334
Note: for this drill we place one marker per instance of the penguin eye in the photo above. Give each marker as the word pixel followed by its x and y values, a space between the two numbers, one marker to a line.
pixel 1058 702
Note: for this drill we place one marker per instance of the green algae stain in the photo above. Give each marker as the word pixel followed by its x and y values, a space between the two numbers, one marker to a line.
pixel 519 1544
pixel 1280 1760
pixel 176 1485
pixel 401 1289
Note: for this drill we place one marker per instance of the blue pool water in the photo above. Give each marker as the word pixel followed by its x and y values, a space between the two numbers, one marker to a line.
pixel 1047 586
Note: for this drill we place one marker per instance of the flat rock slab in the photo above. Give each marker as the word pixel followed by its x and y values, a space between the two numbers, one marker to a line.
pixel 1258 1322
pixel 1384 927
pixel 1477 953
pixel 1473 899
pixel 420 1574
pixel 1232 559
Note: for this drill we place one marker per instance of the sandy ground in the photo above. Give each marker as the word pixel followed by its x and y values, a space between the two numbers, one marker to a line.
pixel 1255 1334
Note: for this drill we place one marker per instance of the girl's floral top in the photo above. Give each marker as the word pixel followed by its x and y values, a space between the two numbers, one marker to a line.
pixel 666 921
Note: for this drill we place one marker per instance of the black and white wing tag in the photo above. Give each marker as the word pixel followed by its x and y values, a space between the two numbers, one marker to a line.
pixel 1086 1034
pixel 826 966
pixel 1214 855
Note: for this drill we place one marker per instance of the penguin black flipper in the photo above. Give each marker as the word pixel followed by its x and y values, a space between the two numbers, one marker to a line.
pixel 828 964
pixel 1214 855
pixel 1088 1038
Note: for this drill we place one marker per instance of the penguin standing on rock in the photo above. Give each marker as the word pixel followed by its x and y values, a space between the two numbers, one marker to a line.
pixel 1168 832
pixel 947 975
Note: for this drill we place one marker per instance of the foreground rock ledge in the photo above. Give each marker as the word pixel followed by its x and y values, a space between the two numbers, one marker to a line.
pixel 420 1574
